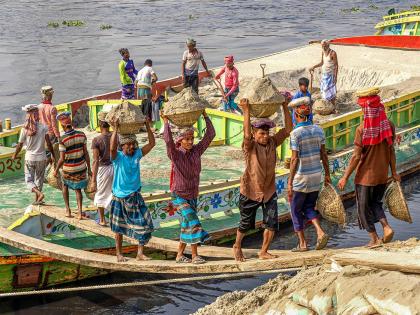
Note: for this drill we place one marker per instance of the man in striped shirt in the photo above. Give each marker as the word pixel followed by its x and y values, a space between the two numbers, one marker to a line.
pixel 307 142
pixel 74 159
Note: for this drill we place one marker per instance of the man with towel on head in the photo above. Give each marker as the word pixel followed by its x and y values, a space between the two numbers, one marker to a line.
pixel 190 64
pixel 128 213
pixel 34 135
pixel 258 187
pixel 307 142
pixel 373 156
pixel 74 158
pixel 102 169
pixel 329 72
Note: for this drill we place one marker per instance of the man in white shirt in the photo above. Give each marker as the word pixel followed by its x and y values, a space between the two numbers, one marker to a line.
pixel 146 77
pixel 190 64
pixel 34 135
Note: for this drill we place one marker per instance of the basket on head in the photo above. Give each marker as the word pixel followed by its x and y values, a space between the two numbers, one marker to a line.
pixel 129 117
pixel 396 203
pixel 330 206
pixel 367 92
pixel 263 110
pixel 90 189
pixel 53 181
pixel 185 119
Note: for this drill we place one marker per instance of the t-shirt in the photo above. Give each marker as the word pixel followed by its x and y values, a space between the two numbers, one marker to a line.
pixel 35 145
pixel 102 143
pixel 126 174
pixel 374 162
pixel 71 143
pixel 307 140
pixel 192 61
pixel 144 77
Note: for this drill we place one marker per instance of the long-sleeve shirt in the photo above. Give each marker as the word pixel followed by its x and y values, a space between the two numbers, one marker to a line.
pixel 48 117
pixel 231 79
pixel 187 164
pixel 128 72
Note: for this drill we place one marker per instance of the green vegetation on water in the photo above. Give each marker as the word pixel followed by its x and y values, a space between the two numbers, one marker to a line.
pixel 53 24
pixel 351 10
pixel 72 23
pixel 105 26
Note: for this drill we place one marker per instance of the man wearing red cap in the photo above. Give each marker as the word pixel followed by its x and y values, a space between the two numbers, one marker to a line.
pixel 258 181
pixel 231 85
pixel 373 156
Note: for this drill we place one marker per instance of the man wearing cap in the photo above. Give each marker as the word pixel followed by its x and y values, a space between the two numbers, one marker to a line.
pixel 373 157
pixel 329 72
pixel 231 85
pixel 128 212
pixel 190 64
pixel 34 135
pixel 74 159
pixel 307 142
pixel 48 114
pixel 102 169
pixel 258 181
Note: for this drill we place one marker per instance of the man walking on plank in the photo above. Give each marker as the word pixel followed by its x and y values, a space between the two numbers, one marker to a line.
pixel 184 182
pixel 34 135
pixel 102 169
pixel 373 155
pixel 128 212
pixel 258 181
pixel 307 142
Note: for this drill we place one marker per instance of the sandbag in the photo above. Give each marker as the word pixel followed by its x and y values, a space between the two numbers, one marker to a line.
pixel 53 181
pixel 323 107
pixel 129 116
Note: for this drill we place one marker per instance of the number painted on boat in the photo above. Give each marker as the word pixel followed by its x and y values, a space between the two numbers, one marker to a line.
pixel 11 165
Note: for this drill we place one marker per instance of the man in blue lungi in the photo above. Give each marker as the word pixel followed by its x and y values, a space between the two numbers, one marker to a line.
pixel 329 72
pixel 128 212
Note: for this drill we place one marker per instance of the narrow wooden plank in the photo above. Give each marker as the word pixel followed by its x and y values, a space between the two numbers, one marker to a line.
pixel 394 261
pixel 97 260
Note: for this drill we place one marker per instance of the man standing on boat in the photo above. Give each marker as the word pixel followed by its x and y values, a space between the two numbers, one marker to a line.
pixel 128 74
pixel 373 156
pixel 128 213
pixel 74 159
pixel 34 135
pixel 102 169
pixel 48 115
pixel 307 142
pixel 190 65
pixel 329 72
pixel 258 187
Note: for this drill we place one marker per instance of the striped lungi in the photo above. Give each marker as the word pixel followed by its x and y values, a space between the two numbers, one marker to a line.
pixel 129 216
pixel 191 230
pixel 328 87
pixel 103 195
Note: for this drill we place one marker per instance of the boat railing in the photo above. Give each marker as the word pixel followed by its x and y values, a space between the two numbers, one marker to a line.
pixel 401 15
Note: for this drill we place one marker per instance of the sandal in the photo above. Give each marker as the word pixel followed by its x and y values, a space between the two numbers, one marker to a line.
pixel 298 249
pixel 198 260
pixel 321 243
pixel 183 260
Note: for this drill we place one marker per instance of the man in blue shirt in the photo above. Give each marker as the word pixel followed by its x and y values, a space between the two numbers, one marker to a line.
pixel 129 214
pixel 303 91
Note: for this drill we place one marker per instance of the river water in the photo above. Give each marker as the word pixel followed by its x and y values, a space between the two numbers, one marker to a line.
pixel 82 61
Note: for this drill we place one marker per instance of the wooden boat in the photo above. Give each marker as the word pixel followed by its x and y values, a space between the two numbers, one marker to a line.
pixel 22 270
pixel 400 23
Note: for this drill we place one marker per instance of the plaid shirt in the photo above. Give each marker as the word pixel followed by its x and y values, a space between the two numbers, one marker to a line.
pixel 187 164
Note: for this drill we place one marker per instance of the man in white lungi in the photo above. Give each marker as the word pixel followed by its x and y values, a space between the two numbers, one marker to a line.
pixel 103 171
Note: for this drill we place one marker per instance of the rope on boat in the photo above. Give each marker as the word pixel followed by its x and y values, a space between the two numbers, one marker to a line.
pixel 145 283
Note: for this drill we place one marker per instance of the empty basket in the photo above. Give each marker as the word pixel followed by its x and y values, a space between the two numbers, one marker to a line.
pixel 54 181
pixel 330 206
pixel 89 190
pixel 395 202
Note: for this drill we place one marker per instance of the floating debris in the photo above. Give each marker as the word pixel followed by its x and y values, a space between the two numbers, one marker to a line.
pixel 351 10
pixel 53 24
pixel 73 23
pixel 105 26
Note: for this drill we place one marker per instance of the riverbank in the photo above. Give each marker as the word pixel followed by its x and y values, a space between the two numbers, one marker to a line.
pixel 330 289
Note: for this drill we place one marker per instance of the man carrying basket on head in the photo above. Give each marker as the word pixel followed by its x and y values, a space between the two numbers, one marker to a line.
pixel 373 155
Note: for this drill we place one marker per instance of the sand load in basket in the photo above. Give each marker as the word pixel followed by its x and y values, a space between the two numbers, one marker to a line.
pixel 330 206
pixel 185 108
pixel 396 203
pixel 264 98
pixel 53 181
pixel 130 118
pixel 368 92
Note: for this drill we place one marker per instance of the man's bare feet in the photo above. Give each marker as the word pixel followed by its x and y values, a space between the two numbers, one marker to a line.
pixel 68 214
pixel 79 217
pixel 142 257
pixel 40 198
pixel 238 254
pixel 374 244
pixel 266 255
pixel 121 258
pixel 388 234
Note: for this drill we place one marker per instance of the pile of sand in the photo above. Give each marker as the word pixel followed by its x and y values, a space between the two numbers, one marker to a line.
pixel 261 91
pixel 323 107
pixel 184 102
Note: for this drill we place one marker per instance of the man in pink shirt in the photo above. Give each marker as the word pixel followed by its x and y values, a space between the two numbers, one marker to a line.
pixel 48 115
pixel 231 85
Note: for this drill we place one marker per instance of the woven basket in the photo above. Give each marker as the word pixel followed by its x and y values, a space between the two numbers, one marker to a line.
pixel 185 119
pixel 129 128
pixel 89 191
pixel 330 206
pixel 395 202
pixel 368 92
pixel 263 110
pixel 53 181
